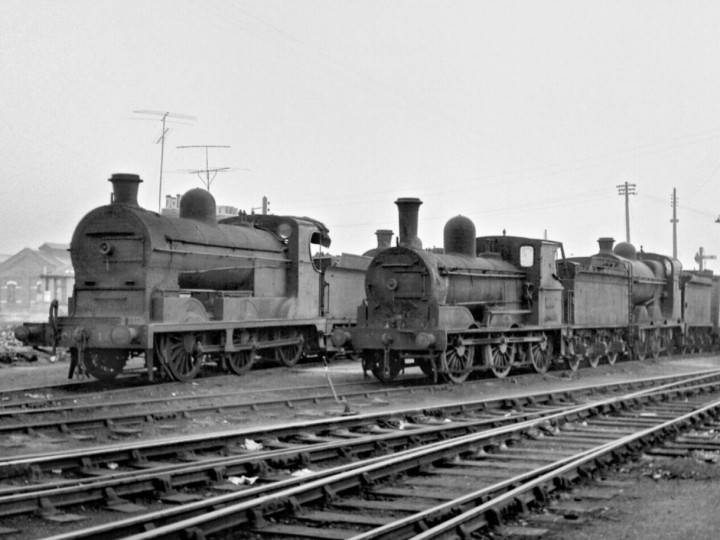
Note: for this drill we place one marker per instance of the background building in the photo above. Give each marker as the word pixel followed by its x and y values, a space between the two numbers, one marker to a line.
pixel 31 279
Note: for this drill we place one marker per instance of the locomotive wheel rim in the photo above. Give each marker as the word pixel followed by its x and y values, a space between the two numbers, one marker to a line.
pixel 573 362
pixel 459 362
pixel 611 358
pixel 289 355
pixel 541 355
pixel 240 362
pixel 641 350
pixel 172 351
pixel 653 347
pixel 598 351
pixel 641 345
pixel 499 362
pixel 666 344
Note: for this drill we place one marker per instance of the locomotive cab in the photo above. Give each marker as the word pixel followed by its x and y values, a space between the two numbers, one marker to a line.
pixel 541 290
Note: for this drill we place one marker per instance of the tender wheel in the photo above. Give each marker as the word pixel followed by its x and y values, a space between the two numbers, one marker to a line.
pixel 289 355
pixel 240 362
pixel 684 345
pixel 596 352
pixel 611 358
pixel 499 358
pixel 654 346
pixel 541 355
pixel 666 343
pixel 641 346
pixel 459 362
pixel 573 362
pixel 180 354
pixel 707 343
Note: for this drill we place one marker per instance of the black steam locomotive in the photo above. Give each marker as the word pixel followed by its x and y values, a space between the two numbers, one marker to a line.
pixel 494 302
pixel 191 289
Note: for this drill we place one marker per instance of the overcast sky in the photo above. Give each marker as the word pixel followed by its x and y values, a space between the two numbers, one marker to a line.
pixel 522 115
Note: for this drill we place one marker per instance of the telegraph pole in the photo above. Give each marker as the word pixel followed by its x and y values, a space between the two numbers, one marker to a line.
pixel 207 170
pixel 627 189
pixel 674 222
pixel 164 116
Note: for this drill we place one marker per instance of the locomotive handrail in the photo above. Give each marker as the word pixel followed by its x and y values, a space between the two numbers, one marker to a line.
pixel 485 273
pixel 225 255
pixel 53 321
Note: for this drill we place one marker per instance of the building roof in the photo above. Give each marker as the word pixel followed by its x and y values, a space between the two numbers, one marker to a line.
pixel 45 260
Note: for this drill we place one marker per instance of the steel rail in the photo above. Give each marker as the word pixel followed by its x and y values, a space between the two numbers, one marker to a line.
pixel 471 520
pixel 316 487
pixel 27 498
pixel 129 451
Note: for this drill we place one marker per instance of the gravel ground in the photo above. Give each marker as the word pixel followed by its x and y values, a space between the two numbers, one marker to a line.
pixel 667 499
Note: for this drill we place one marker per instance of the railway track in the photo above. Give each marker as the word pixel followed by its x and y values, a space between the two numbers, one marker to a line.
pixel 80 418
pixel 145 471
pixel 454 488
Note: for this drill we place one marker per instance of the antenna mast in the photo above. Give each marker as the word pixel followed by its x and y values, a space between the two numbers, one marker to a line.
pixel 164 116
pixel 207 170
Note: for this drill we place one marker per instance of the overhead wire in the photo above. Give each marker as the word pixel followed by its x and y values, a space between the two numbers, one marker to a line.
pixel 238 18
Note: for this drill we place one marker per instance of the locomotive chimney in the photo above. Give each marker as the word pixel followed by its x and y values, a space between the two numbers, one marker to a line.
pixel 606 244
pixel 384 237
pixel 125 188
pixel 408 209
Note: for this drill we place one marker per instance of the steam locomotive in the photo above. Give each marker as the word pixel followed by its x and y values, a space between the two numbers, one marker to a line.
pixel 188 290
pixel 494 302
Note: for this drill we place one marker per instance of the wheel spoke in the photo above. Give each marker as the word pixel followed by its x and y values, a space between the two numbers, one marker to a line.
pixel 289 355
pixel 500 359
pixel 240 362
pixel 459 362
pixel 541 355
pixel 177 352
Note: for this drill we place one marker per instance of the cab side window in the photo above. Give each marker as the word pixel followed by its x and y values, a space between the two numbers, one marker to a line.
pixel 527 256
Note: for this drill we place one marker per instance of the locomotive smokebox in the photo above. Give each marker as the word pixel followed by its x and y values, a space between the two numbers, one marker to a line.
pixel 408 214
pixel 606 244
pixel 125 188
pixel 459 236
